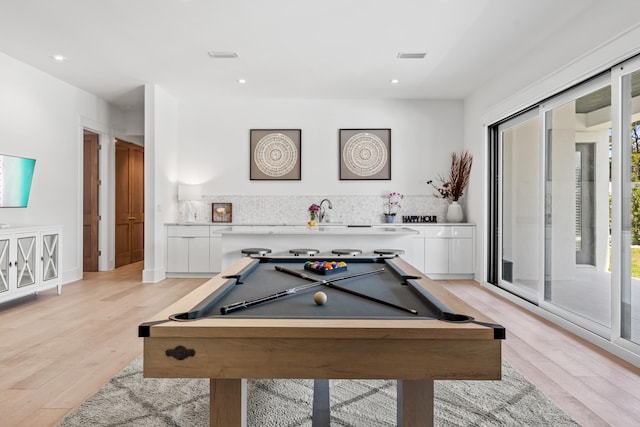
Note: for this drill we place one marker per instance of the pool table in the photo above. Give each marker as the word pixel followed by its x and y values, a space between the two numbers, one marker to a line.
pixel 410 329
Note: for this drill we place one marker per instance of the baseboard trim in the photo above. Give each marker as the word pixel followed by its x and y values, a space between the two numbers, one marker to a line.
pixel 72 275
pixel 153 276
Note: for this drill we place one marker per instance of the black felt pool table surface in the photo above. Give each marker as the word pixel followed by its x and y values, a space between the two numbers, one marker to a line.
pixel 261 279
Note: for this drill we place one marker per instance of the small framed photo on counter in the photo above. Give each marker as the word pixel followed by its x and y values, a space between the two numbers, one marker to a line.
pixel 221 212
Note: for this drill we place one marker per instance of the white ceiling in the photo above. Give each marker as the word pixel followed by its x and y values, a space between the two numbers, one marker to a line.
pixel 286 48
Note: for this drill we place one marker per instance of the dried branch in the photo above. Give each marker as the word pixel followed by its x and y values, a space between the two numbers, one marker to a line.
pixel 453 188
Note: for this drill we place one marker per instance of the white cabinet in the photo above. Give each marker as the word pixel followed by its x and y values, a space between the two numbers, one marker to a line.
pixel 188 250
pixel 199 254
pixel 29 261
pixel 448 251
pixel 215 250
pixel 49 252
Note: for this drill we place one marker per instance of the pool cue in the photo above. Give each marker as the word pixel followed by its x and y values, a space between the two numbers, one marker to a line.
pixel 245 304
pixel 349 291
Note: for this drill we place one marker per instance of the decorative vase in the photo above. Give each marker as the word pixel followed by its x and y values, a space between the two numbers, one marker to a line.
pixel 312 224
pixel 390 217
pixel 454 212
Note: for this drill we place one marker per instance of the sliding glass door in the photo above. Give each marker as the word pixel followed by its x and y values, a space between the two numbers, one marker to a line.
pixel 577 278
pixel 564 205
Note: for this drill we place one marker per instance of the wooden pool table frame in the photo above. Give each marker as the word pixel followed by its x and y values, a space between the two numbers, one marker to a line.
pixel 414 351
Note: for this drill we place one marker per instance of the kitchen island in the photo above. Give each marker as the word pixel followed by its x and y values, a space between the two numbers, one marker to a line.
pixel 281 238
pixel 443 251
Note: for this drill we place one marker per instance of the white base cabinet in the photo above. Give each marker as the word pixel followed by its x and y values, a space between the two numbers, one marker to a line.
pixel 448 251
pixel 189 251
pixel 29 261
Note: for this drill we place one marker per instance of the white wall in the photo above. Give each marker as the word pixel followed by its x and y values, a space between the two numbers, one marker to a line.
pixel 160 158
pixel 42 118
pixel 214 143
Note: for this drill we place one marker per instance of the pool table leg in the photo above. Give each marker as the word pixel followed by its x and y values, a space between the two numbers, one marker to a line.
pixel 415 403
pixel 228 403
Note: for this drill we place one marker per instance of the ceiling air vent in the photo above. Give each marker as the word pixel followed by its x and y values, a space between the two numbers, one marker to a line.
pixel 405 55
pixel 223 55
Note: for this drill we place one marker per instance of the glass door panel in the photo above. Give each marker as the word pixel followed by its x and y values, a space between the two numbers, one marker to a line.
pixel 576 213
pixel 49 256
pixel 519 142
pixel 4 265
pixel 630 286
pixel 26 261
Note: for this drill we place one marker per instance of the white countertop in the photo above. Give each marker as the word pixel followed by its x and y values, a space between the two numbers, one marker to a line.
pixel 328 224
pixel 320 230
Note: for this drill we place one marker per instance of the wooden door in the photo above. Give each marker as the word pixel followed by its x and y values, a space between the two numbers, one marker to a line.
pixel 129 229
pixel 136 192
pixel 90 213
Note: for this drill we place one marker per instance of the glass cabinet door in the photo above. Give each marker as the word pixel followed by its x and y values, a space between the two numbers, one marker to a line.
pixel 26 261
pixel 49 256
pixel 4 265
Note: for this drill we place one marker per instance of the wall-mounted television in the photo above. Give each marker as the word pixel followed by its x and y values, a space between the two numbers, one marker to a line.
pixel 16 174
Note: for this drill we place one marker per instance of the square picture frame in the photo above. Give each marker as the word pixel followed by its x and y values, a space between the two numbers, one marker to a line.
pixel 365 154
pixel 275 154
pixel 221 212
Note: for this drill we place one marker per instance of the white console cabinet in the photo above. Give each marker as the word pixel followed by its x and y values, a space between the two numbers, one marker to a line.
pixel 448 251
pixel 29 261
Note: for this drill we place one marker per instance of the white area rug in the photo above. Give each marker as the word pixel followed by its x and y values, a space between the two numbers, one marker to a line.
pixel 130 400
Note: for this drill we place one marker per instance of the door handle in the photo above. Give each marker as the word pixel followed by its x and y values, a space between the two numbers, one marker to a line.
pixel 132 217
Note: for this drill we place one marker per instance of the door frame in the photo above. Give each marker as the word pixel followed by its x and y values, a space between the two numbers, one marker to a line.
pixel 587 253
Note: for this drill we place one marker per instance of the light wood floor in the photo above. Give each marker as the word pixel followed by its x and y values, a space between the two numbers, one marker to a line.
pixel 55 351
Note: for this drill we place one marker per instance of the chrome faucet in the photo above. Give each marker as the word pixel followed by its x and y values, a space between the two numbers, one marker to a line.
pixel 322 210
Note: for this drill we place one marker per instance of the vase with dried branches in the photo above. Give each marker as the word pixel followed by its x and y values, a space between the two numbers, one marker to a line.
pixel 453 188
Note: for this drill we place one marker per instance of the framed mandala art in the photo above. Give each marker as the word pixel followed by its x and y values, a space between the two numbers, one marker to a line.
pixel 365 154
pixel 275 154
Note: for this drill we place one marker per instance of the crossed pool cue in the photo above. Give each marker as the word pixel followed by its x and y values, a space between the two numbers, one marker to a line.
pixel 349 291
pixel 245 304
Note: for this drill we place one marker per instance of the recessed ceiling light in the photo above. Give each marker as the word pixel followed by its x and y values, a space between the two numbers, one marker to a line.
pixel 223 55
pixel 414 55
pixel 394 81
pixel 242 81
pixel 59 58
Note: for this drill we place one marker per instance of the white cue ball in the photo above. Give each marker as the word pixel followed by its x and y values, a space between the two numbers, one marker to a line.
pixel 320 298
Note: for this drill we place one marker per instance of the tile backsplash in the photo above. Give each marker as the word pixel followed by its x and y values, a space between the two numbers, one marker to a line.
pixel 294 209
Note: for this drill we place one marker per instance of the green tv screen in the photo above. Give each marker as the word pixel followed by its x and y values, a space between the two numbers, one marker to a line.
pixel 16 174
